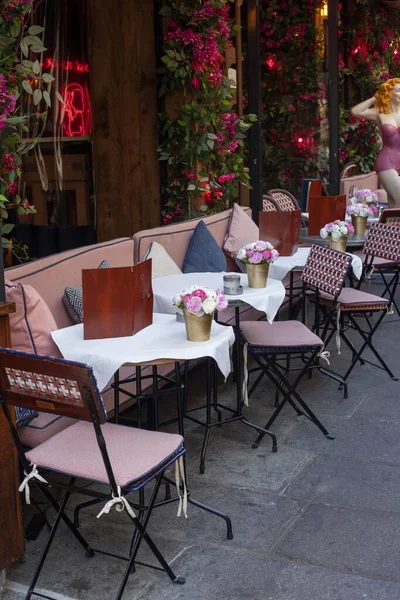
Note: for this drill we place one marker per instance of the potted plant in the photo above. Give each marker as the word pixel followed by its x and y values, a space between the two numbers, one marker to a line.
pixel 198 304
pixel 257 256
pixel 337 232
pixel 359 213
pixel 364 196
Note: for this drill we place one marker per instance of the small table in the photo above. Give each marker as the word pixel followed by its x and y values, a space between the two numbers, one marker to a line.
pixel 353 241
pixel 267 300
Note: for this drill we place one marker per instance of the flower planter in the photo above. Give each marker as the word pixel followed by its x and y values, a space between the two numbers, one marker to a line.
pixel 257 275
pixel 359 224
pixel 340 245
pixel 198 329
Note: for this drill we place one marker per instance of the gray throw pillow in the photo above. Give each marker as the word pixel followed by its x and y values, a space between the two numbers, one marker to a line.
pixel 73 298
pixel 203 254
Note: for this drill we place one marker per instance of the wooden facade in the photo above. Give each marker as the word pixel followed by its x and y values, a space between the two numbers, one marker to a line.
pixel 124 102
pixel 11 536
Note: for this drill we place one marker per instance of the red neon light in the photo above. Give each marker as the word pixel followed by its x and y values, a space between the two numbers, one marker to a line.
pixel 66 65
pixel 77 110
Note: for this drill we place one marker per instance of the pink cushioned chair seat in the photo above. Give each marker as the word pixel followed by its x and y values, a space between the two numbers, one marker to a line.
pixel 279 333
pixel 379 263
pixel 43 427
pixel 136 455
pixel 351 299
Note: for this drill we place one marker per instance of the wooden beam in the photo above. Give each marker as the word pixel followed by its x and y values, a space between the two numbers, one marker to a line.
pixel 124 103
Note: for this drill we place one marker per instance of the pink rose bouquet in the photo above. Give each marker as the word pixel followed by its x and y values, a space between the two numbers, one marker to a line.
pixel 258 253
pixel 336 230
pixel 200 301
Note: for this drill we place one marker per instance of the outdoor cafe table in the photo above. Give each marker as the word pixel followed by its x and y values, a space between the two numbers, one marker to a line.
pixel 353 241
pixel 164 339
pixel 267 300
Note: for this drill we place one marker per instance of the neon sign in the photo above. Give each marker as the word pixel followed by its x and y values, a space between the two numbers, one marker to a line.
pixel 77 119
pixel 66 65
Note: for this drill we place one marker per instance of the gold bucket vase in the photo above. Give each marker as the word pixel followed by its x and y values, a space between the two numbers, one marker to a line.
pixel 339 245
pixel 359 224
pixel 198 329
pixel 257 275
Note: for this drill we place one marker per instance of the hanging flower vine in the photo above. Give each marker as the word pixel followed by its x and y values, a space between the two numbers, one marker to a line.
pixel 22 83
pixel 204 143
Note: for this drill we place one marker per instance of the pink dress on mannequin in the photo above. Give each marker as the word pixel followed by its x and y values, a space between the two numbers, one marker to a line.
pixel 389 155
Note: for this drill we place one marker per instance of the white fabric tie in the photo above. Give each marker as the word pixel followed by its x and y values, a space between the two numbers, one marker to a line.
pixel 25 484
pixel 338 329
pixel 245 376
pixel 390 310
pixel 120 502
pixel 180 474
pixel 368 274
pixel 325 354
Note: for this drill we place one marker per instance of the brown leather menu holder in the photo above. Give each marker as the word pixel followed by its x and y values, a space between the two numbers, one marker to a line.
pixel 117 302
pixel 323 210
pixel 281 229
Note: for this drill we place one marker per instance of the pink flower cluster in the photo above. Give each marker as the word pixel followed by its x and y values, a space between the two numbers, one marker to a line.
pixel 259 252
pixel 230 120
pixel 225 178
pixel 7 102
pixel 200 301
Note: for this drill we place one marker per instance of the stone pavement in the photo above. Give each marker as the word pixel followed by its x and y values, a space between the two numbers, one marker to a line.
pixel 319 520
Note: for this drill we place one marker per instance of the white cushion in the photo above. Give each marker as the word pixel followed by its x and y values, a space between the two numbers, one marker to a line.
pixel 162 263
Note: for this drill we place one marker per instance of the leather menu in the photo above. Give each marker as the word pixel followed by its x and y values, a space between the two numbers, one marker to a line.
pixel 117 302
pixel 281 229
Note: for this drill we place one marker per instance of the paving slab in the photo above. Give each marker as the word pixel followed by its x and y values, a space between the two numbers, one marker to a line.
pixel 226 575
pixel 355 483
pixel 353 541
pixel 232 462
pixel 354 438
pixel 257 517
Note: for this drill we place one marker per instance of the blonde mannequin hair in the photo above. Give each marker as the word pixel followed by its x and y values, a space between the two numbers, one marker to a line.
pixel 383 95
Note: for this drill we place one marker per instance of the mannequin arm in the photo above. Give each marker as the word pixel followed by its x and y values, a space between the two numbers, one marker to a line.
pixel 366 110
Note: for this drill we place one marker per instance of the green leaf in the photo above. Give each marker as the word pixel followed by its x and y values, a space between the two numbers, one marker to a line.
pixel 46 97
pixel 37 96
pixel 24 47
pixel 3 199
pixel 38 49
pixel 27 87
pixel 7 228
pixel 165 11
pixel 210 144
pixel 60 98
pixel 15 120
pixel 35 29
pixel 47 78
pixel 6 40
pixel 182 123
pixel 15 30
pixel 36 67
pixel 212 136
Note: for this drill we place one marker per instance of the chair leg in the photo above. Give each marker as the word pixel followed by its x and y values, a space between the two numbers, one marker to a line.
pixel 143 535
pixel 274 375
pixel 60 516
pixel 368 342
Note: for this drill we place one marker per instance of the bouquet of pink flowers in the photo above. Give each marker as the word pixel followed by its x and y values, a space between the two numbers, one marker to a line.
pixel 199 301
pixel 258 253
pixel 336 230
pixel 365 197
pixel 362 210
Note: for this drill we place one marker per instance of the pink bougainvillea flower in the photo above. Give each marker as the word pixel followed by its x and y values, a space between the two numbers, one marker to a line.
pixel 186 298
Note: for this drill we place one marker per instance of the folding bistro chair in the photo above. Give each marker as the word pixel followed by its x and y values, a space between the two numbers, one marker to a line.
pixel 340 310
pixel 267 342
pixel 269 204
pixel 374 262
pixel 123 458
pixel 285 200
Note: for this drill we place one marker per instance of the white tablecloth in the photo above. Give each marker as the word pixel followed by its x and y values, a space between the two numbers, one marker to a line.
pixel 267 300
pixel 284 264
pixel 165 338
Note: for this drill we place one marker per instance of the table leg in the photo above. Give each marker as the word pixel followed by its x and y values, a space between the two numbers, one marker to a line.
pixel 239 400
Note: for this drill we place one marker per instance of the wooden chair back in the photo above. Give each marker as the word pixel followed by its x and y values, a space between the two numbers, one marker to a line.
pixel 50 385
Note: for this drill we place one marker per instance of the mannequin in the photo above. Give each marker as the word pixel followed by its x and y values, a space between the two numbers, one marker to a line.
pixel 384 110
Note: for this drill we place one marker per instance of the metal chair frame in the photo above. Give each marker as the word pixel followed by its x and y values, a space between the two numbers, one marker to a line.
pixel 88 408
